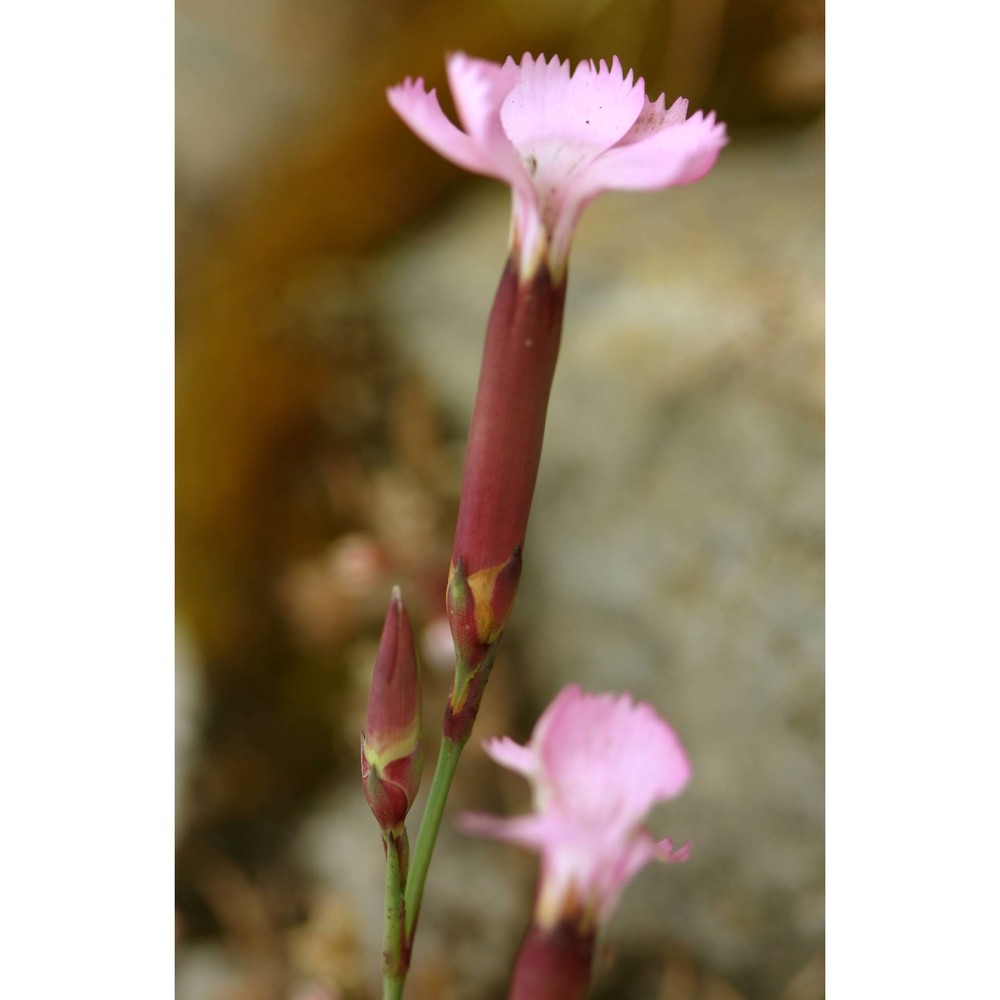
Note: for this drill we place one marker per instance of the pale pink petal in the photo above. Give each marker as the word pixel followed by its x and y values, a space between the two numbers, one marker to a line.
pixel 665 852
pixel 591 868
pixel 677 154
pixel 591 110
pixel 596 763
pixel 569 878
pixel 527 831
pixel 640 851
pixel 559 139
pixel 559 123
pixel 565 701
pixel 611 758
pixel 653 117
pixel 422 112
pixel 511 755
pixel 611 878
pixel 479 88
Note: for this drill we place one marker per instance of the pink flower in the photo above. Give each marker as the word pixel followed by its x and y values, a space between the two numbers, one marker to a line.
pixel 597 764
pixel 559 140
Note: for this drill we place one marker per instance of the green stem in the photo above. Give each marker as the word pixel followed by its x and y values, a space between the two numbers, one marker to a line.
pixel 395 954
pixel 455 735
pixel 429 825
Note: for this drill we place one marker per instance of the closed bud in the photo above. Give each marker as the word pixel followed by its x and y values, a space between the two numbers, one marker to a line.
pixel 391 747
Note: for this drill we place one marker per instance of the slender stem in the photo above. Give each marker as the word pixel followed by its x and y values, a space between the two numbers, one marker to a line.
pixel 429 825
pixel 395 954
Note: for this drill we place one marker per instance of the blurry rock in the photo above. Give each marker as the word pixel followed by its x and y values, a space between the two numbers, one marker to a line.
pixel 340 846
pixel 205 971
pixel 809 983
pixel 676 544
pixel 329 598
pixel 325 950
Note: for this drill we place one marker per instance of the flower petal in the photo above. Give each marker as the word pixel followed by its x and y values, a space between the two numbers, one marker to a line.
pixel 511 755
pixel 592 109
pixel 527 831
pixel 607 759
pixel 640 851
pixel 596 764
pixel 665 852
pixel 676 154
pixel 422 112
pixel 559 123
pixel 611 878
pixel 565 701
pixel 478 88
pixel 654 117
pixel 559 138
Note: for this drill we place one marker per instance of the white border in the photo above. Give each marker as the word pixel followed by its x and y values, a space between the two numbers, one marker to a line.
pixel 86 522
pixel 913 502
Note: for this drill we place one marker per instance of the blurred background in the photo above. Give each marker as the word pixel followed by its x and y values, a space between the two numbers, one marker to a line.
pixel 333 282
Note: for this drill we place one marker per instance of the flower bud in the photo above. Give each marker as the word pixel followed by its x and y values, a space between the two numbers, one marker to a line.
pixel 391 747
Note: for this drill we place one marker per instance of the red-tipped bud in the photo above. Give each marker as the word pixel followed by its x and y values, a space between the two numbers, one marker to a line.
pixel 391 748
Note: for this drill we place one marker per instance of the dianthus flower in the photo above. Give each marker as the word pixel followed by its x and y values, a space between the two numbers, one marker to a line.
pixel 597 765
pixel 559 139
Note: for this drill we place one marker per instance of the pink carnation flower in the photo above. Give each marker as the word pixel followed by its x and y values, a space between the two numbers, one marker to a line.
pixel 559 139
pixel 597 764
